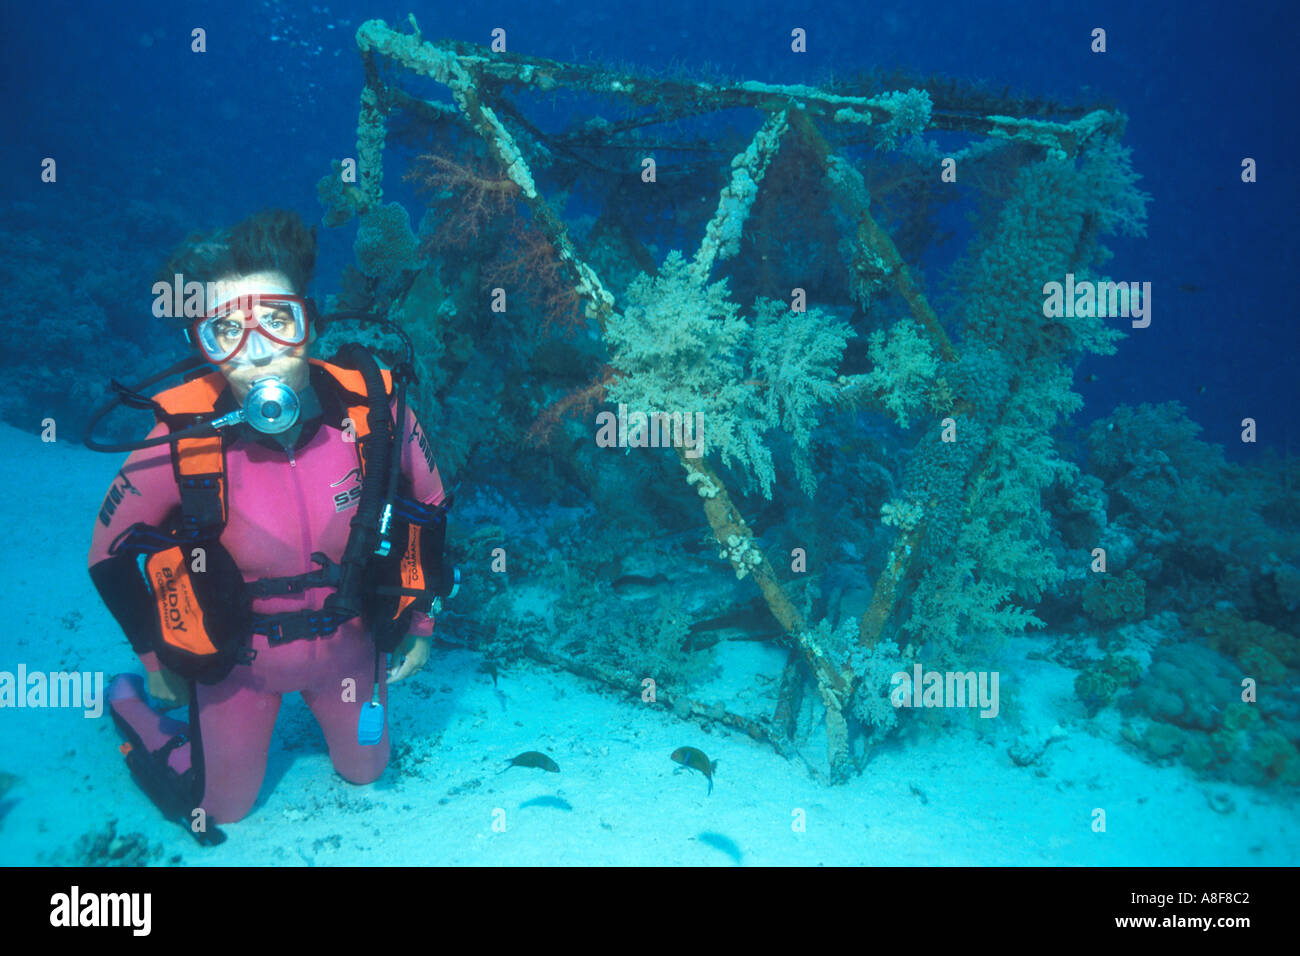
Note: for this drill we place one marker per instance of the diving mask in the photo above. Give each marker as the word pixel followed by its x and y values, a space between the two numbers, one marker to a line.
pixel 252 327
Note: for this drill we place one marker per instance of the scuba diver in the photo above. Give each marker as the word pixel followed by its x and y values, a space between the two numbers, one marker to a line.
pixel 280 530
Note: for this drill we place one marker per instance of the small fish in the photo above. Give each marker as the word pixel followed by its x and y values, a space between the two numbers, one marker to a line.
pixel 533 758
pixel 1188 287
pixel 694 759
pixel 490 667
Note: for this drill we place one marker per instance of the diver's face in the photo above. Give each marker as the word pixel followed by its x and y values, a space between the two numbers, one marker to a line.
pixel 260 357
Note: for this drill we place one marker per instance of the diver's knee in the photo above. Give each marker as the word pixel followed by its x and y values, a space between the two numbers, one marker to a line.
pixel 228 810
pixel 362 771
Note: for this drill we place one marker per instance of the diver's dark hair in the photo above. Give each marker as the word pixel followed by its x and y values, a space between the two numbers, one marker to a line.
pixel 273 240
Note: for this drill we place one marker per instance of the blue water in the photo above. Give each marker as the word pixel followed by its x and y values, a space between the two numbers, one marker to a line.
pixel 115 94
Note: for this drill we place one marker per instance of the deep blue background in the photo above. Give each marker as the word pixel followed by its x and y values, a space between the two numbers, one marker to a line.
pixel 114 93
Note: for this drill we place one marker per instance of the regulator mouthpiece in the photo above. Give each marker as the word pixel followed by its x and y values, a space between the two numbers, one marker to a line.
pixel 271 407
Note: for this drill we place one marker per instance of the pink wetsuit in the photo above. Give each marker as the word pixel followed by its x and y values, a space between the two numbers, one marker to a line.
pixel 280 511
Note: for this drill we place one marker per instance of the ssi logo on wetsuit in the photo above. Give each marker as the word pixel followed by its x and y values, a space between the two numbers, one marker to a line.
pixel 349 497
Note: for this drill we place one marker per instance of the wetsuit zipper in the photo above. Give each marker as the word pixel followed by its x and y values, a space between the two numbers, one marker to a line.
pixel 304 524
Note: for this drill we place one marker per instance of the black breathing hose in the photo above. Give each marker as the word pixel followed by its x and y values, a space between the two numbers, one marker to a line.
pixel 376 453
pixel 132 396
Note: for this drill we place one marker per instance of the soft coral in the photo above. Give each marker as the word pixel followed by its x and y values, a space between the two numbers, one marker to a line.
pixel 575 404
pixel 467 196
pixel 528 262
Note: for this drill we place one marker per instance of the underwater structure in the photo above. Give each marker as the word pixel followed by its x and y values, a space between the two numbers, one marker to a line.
pixel 847 283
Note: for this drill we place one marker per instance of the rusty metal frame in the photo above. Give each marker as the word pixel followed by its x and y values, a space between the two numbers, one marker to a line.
pixel 475 78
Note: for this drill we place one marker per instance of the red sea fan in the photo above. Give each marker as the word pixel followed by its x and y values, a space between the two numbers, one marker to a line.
pixel 529 264
pixel 466 197
pixel 577 403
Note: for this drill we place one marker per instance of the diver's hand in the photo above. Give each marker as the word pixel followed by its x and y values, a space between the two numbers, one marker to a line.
pixel 169 688
pixel 411 656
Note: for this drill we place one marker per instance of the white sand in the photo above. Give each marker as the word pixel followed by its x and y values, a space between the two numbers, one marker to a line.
pixel 616 800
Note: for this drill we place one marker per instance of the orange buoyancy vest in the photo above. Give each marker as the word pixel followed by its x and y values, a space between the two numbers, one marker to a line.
pixel 202 605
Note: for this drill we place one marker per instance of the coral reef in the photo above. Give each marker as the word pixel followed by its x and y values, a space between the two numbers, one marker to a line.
pixel 871 705
pixel 385 246
pixel 1109 598
pixel 95 254
pixel 1263 651
pixel 339 199
pixel 722 236
pixel 465 197
pixel 1188 707
pixel 794 355
pixel 904 368
pixel 906 515
pixel 1098 683
pixel 1192 523
pixel 681 346
pixel 911 114
pixel 652 643
pixel 1016 376
pixel 873 715
pixel 580 402
pixel 984 527
pixel 528 266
